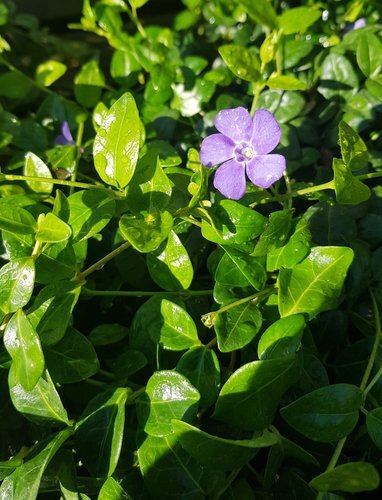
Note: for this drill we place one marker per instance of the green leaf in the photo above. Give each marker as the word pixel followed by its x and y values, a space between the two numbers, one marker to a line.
pixel 338 78
pixel 16 219
pixel 285 82
pixel 231 223
pixel 294 251
pixel 90 212
pixel 150 188
pixel 374 426
pixel 200 366
pixel 51 229
pixel 146 231
pixel 250 396
pixel 16 284
pixel 349 190
pixel 275 233
pixel 41 403
pixel 88 84
pixel 14 85
pixel 168 324
pixel 353 149
pixel 239 269
pixel 116 144
pixel 243 63
pixel 168 395
pixel 261 12
pixel 107 333
pixel 353 477
pixel 189 101
pixel 298 19
pixel 315 284
pixel 99 432
pixel 170 266
pixel 369 55
pixel 237 327
pixel 219 453
pixel 35 167
pixel 23 345
pixel 163 461
pixel 112 490
pixel 326 414
pixel 24 482
pixel 72 359
pixel 49 71
pixel 282 338
pixel 52 309
pixel 137 3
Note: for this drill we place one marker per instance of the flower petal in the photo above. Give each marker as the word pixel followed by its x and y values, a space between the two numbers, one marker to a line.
pixel 215 149
pixel 65 131
pixel 266 132
pixel 230 180
pixel 235 123
pixel 263 171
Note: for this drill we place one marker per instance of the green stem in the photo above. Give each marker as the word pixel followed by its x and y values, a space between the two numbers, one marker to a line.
pixel 210 318
pixel 371 175
pixel 135 19
pixel 230 479
pixel 59 182
pixel 140 293
pixel 25 76
pixel 298 192
pixel 256 94
pixel 100 263
pixel 377 341
pixel 333 461
pixel 80 133
pixel 373 381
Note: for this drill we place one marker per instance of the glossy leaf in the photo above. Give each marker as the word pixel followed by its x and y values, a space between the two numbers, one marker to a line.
pixel 112 490
pixel 146 231
pixel 49 71
pixel 41 403
pixel 23 345
pixel 72 359
pixel 35 167
pixel 261 12
pixel 51 229
pixel 99 432
pixel 250 397
pixel 219 453
pixel 282 338
pixel 90 212
pixel 297 248
pixel 326 414
pixel 170 265
pixel 239 269
pixel 243 63
pixel 16 284
pixel 25 481
pixel 238 326
pixel 315 284
pixel 352 477
pixel 52 309
pixel 275 233
pixel 349 190
pixel 116 144
pixel 285 82
pixel 338 78
pixel 368 55
pixel 168 395
pixel 298 19
pixel 88 84
pixel 353 149
pixel 16 220
pixel 163 461
pixel 200 366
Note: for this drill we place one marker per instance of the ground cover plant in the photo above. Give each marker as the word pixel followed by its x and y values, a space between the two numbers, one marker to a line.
pixel 191 229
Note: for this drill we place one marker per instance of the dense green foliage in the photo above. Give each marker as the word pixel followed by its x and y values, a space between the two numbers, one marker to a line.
pixel 159 340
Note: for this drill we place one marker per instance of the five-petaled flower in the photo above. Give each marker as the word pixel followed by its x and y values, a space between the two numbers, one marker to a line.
pixel 243 147
pixel 65 138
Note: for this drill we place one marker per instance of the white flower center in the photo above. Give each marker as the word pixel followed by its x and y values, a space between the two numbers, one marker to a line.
pixel 247 152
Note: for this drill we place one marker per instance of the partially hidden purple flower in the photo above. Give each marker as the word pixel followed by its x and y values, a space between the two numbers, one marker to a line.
pixel 359 23
pixel 65 138
pixel 242 148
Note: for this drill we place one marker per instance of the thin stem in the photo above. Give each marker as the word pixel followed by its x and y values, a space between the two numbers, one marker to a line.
pixel 210 318
pixel 36 249
pixel 135 19
pixel 371 175
pixel 373 381
pixel 376 344
pixel 298 192
pixel 80 133
pixel 230 479
pixel 256 94
pixel 100 263
pixel 333 461
pixel 140 293
pixel 59 182
pixel 25 76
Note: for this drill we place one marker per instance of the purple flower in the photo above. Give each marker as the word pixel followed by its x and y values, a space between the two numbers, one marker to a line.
pixel 243 147
pixel 359 23
pixel 65 138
